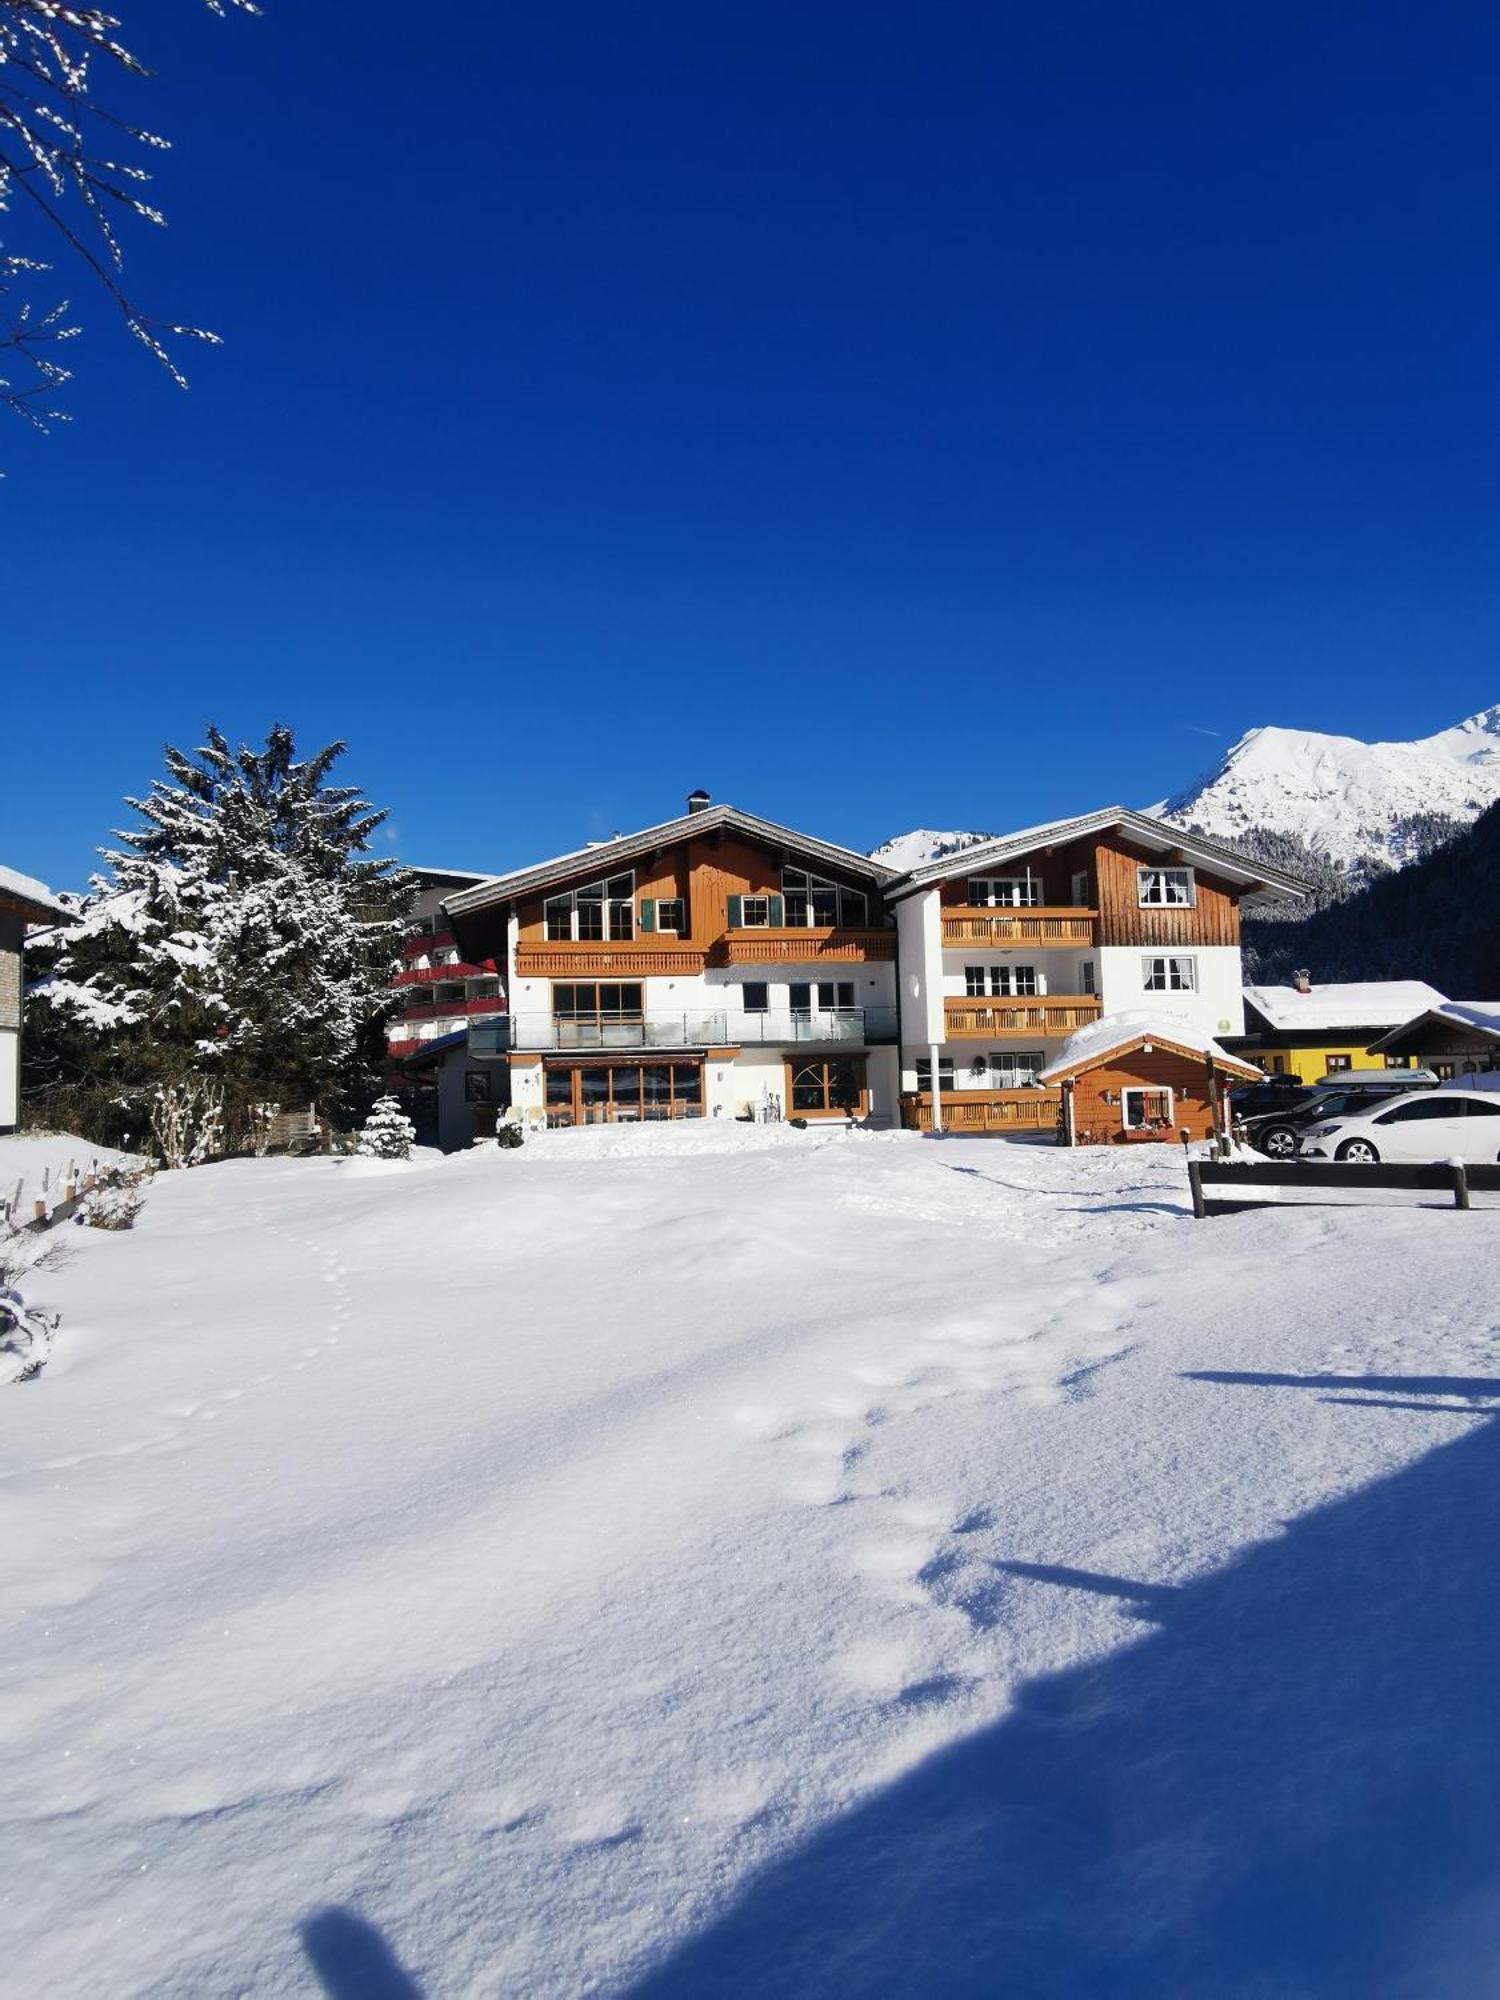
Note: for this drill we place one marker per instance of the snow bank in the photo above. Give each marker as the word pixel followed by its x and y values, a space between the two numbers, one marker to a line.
pixel 729 1560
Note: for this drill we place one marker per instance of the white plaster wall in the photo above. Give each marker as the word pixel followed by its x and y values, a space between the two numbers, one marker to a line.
pixel 10 1078
pixel 1056 971
pixel 919 949
pixel 526 1084
pixel 1218 1006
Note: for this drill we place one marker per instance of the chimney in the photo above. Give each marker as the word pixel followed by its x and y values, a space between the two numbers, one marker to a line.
pixel 1302 981
pixel 698 801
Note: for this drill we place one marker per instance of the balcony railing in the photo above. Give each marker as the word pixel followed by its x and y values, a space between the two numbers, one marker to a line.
pixel 598 957
pixel 999 1018
pixel 434 975
pixel 1041 928
pixel 807 945
pixel 863 1026
pixel 984 1110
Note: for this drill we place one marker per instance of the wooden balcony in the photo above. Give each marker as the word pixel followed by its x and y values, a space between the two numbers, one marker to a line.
pixel 807 945
pixel 1003 1020
pixel 964 927
pixel 984 1110
pixel 603 959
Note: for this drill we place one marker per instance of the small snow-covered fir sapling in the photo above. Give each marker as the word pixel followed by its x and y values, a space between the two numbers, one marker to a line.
pixel 388 1133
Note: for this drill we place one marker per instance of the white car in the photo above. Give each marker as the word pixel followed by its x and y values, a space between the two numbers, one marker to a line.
pixel 1428 1125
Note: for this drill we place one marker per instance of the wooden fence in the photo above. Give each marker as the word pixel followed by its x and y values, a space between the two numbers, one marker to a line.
pixel 1439 1176
pixel 59 1196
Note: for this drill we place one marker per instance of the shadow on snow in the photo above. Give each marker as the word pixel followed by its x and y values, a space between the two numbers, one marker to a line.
pixel 352 1961
pixel 1289 1784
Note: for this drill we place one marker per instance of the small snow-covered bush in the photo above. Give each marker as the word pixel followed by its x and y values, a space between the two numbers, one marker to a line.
pixel 114 1207
pixel 187 1121
pixel 388 1133
pixel 508 1134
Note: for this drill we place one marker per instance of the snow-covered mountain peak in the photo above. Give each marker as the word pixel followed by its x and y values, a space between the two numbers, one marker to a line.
pixel 911 850
pixel 1363 805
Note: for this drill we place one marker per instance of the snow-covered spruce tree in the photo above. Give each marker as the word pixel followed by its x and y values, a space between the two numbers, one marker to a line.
pixel 244 934
pixel 388 1133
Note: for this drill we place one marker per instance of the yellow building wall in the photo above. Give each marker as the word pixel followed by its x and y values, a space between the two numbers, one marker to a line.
pixel 1312 1063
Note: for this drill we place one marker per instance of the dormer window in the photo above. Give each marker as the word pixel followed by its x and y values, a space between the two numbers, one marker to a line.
pixel 592 912
pixel 1165 888
pixel 1006 892
pixel 812 901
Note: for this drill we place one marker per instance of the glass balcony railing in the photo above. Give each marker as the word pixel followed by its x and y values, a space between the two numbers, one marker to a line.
pixel 718 1028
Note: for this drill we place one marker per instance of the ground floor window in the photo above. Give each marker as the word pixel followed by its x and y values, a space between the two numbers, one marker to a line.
pixel 622 1093
pixel 924 1072
pixel 1398 1062
pixel 1146 1110
pixel 1278 1065
pixel 1340 1062
pixel 479 1087
pixel 828 1085
pixel 1012 1069
pixel 1443 1070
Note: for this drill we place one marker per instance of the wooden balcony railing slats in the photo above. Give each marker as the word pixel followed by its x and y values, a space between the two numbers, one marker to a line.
pixel 995 1019
pixel 983 1110
pixel 1040 927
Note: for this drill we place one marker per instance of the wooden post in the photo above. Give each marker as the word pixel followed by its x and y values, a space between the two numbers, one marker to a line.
pixel 1460 1185
pixel 1070 1129
pixel 1195 1182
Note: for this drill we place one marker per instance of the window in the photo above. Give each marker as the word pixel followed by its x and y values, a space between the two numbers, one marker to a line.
pixel 1165 888
pixel 836 993
pixel 1081 891
pixel 757 996
pixel 755 912
pixel 479 1087
pixel 596 910
pixel 1398 1062
pixel 1476 1107
pixel 799 996
pixel 996 980
pixel 1144 1110
pixel 1419 1112
pixel 1169 975
pixel 1088 978
pixel 623 1092
pixel 924 1072
pixel 671 914
pixel 1012 1069
pixel 1017 892
pixel 598 1000
pixel 831 1084
pixel 1444 1071
pixel 814 900
pixel 1340 1062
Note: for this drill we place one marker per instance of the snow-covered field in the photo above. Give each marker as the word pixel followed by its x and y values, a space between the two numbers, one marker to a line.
pixel 681 1561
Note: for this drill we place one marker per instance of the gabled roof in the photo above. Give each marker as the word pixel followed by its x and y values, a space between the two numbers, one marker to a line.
pixel 41 906
pixel 1116 1034
pixel 605 856
pixel 1481 1017
pixel 1159 834
pixel 1364 1003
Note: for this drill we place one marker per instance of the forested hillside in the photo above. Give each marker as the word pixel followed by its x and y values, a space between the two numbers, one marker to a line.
pixel 1437 919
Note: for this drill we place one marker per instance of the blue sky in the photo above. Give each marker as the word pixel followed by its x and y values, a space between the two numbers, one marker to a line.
pixel 881 416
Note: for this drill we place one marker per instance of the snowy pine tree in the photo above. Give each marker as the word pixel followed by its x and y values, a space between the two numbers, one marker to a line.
pixel 244 933
pixel 388 1133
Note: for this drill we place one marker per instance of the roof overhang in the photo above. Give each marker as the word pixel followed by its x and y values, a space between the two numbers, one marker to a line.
pixel 1112 1052
pixel 604 857
pixel 1158 836
pixel 1409 1036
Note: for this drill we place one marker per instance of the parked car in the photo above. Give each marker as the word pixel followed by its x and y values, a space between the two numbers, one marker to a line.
pixel 1422 1125
pixel 1279 1133
pixel 1274 1093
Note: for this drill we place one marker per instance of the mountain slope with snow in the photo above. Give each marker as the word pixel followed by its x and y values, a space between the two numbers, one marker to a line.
pixel 912 850
pixel 1366 806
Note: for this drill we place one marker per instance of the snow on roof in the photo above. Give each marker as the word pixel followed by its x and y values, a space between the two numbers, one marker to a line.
pixel 1150 832
pixel 1087 1046
pixel 28 890
pixel 1482 1016
pixel 1365 1003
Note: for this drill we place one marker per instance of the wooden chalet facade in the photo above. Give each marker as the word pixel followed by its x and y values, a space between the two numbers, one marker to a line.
pixel 1011 946
pixel 716 965
pixel 1456 1038
pixel 1142 1077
